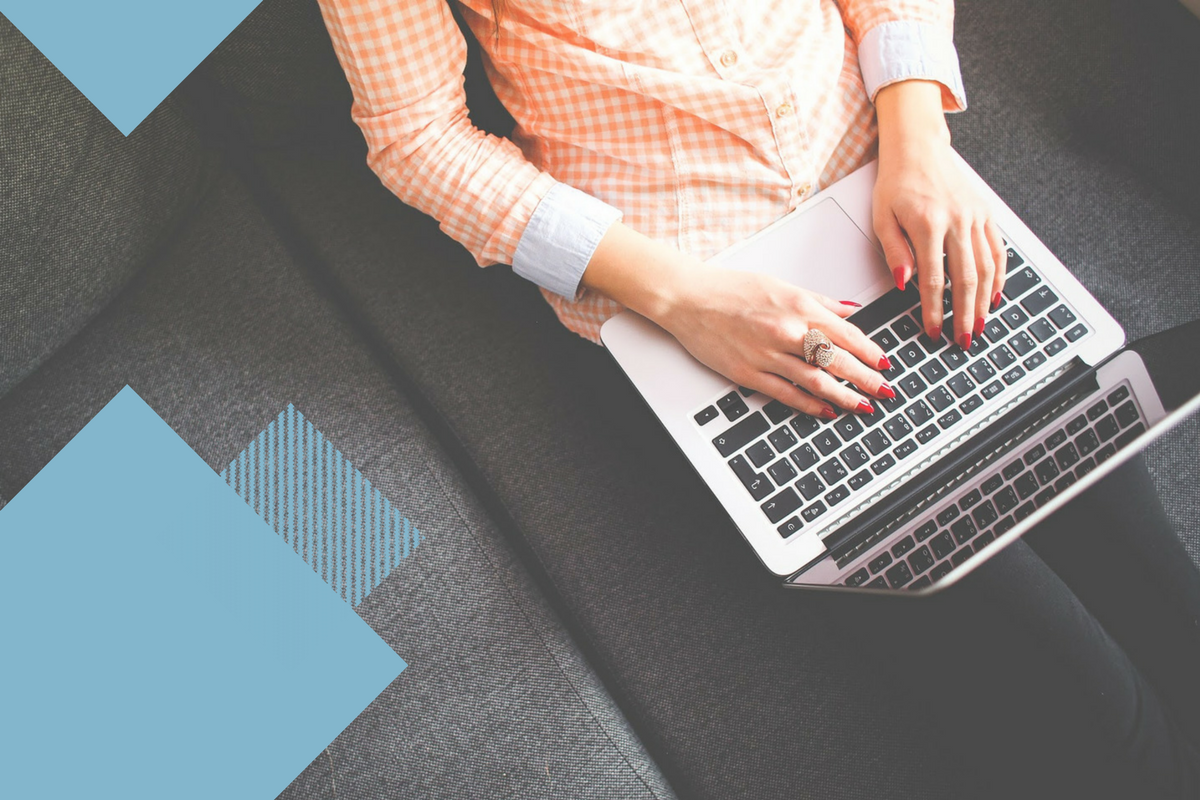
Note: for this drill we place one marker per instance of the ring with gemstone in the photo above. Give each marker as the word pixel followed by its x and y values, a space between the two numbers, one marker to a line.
pixel 818 350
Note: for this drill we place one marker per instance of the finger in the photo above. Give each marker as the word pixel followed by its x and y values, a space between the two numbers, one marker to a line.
pixel 985 266
pixel 843 308
pixel 896 251
pixel 964 284
pixel 820 383
pixel 931 272
pixel 786 392
pixel 1000 253
pixel 845 365
pixel 850 337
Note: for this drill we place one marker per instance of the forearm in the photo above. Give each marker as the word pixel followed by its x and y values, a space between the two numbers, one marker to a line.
pixel 909 113
pixel 638 272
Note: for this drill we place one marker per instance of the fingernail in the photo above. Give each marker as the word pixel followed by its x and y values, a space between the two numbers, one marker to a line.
pixel 884 363
pixel 898 274
pixel 887 391
pixel 964 341
pixel 828 413
pixel 851 303
pixel 865 408
pixel 935 332
pixel 979 326
pixel 996 301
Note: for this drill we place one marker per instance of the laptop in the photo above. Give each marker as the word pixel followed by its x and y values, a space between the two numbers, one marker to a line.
pixel 977 447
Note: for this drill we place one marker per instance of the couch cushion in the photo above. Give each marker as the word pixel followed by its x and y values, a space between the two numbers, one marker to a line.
pixel 218 335
pixel 81 206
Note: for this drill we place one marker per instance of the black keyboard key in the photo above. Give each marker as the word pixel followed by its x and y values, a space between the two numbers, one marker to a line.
pixel 940 571
pixel 760 454
pixel 858 578
pixel 1066 456
pixel 886 340
pixel 1014 261
pixel 832 471
pixel 1087 442
pixel 927 433
pixel 903 546
pixel 983 540
pixel 897 427
pixel 919 412
pixel 992 484
pixel 890 404
pixel 949 418
pixel 813 511
pixel 878 583
pixel 1117 395
pixel 911 384
pixel 1017 283
pixel 1104 453
pixel 961 384
pixel 932 345
pixel 981 370
pixel 978 346
pixel 1026 485
pixel 805 457
pixel 859 480
pixel 880 561
pixel 961 555
pixel 1107 428
pixel 1076 333
pixel 1024 510
pixel 781 471
pixel 1041 330
pixel 1055 347
pixel 994 330
pixel 791 526
pixel 905 328
pixel 947 515
pixel 1127 414
pixel 1045 496
pixel 911 354
pixel 1002 357
pixel 1034 361
pixel 848 427
pixel 741 434
pixel 925 531
pixel 777 412
pixel 854 456
pixel 1005 525
pixel 1046 471
pixel 810 486
pixel 899 575
pixel 894 371
pixel 1034 455
pixel 1064 482
pixel 1022 343
pixel 934 371
pixel 1006 500
pixel 883 465
pixel 991 390
pixel 969 499
pixel 1055 439
pixel 942 545
pixel 920 560
pixel 964 529
pixel 1039 300
pixel 804 425
pixel 782 439
pixel 985 515
pixel 732 406
pixel 781 505
pixel 1129 435
pixel 826 442
pixel 905 448
pixel 1076 425
pixel 837 495
pixel 971 403
pixel 1096 411
pixel 1085 466
pixel 875 417
pixel 745 392
pixel 940 398
pixel 1013 375
pixel 954 358
pixel 755 482
pixel 1061 317
pixel 1013 470
pixel 876 442
pixel 706 416
pixel 1014 316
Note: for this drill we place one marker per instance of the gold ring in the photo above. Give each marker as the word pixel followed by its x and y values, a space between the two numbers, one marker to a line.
pixel 818 350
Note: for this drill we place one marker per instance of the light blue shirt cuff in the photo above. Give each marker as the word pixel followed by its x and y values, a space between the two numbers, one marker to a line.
pixel 898 51
pixel 561 236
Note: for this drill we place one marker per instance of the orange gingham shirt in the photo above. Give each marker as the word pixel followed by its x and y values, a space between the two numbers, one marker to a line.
pixel 697 122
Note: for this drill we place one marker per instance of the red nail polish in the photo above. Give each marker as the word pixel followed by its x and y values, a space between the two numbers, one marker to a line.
pixel 865 408
pixel 936 332
pixel 851 303
pixel 898 274
pixel 979 327
pixel 964 341
pixel 996 301
pixel 887 391
pixel 884 363
pixel 828 413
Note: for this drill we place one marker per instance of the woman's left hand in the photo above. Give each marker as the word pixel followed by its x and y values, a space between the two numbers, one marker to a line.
pixel 923 193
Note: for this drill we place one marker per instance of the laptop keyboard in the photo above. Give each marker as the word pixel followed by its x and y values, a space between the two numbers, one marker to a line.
pixel 1010 487
pixel 798 468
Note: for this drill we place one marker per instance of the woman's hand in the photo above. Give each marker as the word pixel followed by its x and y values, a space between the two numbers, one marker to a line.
pixel 923 196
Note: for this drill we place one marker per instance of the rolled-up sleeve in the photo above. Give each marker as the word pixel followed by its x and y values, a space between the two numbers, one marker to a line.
pixel 906 40
pixel 404 62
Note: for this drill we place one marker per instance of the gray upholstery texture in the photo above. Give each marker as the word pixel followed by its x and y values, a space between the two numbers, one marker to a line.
pixel 81 206
pixel 218 335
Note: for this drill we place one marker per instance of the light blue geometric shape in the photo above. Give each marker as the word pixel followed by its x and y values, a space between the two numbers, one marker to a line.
pixel 126 55
pixel 304 488
pixel 157 638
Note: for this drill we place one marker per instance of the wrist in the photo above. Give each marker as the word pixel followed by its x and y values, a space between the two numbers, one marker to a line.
pixel 642 274
pixel 910 114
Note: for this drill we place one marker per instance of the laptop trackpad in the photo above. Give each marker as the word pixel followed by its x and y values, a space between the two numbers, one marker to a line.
pixel 821 250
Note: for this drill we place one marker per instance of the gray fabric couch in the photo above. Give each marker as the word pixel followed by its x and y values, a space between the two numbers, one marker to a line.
pixel 582 620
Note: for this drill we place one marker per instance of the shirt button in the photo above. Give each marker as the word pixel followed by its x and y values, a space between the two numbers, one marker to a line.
pixel 783 109
pixel 804 190
pixel 728 58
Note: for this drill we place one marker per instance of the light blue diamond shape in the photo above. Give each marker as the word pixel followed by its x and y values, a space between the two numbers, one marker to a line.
pixel 126 55
pixel 157 638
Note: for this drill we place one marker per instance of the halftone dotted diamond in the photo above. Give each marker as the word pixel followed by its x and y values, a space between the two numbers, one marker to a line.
pixel 126 55
pixel 157 637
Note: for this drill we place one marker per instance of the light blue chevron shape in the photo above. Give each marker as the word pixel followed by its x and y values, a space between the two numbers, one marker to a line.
pixel 125 56
pixel 304 488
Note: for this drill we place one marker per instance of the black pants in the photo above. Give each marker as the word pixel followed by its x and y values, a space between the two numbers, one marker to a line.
pixel 1073 655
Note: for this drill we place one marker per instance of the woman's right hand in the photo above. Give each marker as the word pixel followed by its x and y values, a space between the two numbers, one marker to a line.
pixel 750 328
